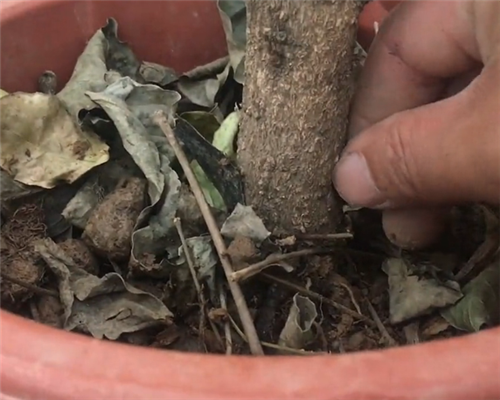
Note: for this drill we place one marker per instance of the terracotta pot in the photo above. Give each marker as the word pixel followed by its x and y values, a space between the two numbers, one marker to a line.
pixel 38 362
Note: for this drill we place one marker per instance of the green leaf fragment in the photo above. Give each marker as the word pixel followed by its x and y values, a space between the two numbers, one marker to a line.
pixel 225 135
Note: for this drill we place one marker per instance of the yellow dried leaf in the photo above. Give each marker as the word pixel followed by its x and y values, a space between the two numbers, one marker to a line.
pixel 41 143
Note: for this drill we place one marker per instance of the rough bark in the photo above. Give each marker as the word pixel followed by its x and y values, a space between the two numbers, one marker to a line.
pixel 298 87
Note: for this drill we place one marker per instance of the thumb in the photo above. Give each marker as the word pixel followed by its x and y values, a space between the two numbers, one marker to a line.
pixel 444 153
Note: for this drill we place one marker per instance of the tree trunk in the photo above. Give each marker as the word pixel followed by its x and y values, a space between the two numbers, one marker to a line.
pixel 298 86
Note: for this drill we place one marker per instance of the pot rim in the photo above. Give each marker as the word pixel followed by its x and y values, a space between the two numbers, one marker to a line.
pixel 55 364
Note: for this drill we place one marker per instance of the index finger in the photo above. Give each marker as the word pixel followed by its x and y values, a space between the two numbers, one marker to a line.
pixel 419 47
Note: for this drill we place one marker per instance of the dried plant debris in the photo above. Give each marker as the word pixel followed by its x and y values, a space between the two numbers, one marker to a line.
pixel 480 305
pixel 78 251
pixel 219 169
pixel 45 147
pixel 119 56
pixel 91 204
pixel 234 20
pixel 21 268
pixel 223 137
pixel 297 332
pixel 412 295
pixel 88 75
pixel 109 229
pixel 157 74
pixel 101 182
pixel 10 189
pixel 201 85
pixel 48 310
pixel 243 221
pixel 104 307
pixel 47 83
pixel 182 292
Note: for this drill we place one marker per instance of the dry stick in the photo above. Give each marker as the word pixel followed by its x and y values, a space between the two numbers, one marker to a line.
pixel 201 296
pixel 241 305
pixel 321 298
pixel 29 286
pixel 227 327
pixel 272 345
pixel 327 236
pixel 272 259
pixel 385 334
pixel 351 295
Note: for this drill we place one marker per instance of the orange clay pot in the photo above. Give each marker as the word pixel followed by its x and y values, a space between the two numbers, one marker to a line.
pixel 41 363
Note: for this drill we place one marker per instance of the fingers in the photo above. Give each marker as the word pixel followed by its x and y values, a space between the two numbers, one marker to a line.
pixel 419 46
pixel 416 228
pixel 417 157
pixel 439 154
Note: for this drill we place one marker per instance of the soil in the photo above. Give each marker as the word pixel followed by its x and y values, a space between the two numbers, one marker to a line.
pixel 350 277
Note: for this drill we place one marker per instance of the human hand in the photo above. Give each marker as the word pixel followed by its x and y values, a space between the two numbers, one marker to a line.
pixel 411 154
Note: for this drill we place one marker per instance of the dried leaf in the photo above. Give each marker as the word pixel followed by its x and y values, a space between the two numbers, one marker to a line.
pixel 222 172
pixel 88 75
pixel 243 221
pixel 201 85
pixel 297 332
pixel 204 122
pixel 480 305
pixel 151 238
pixel 45 147
pixel 12 190
pixel 119 55
pixel 411 296
pixel 201 93
pixel 104 307
pixel 204 257
pixel 234 21
pixel 210 192
pixel 102 181
pixel 131 107
pixel 434 327
pixel 157 74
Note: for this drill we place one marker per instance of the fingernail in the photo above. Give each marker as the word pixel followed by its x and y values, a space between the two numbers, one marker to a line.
pixel 354 183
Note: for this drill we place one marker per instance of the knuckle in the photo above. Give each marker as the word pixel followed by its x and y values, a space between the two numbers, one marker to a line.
pixel 400 154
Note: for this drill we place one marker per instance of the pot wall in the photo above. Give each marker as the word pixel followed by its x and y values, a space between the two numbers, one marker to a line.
pixel 39 35
pixel 42 363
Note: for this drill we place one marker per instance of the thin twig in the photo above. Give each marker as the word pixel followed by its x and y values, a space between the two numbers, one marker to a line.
pixel 190 263
pixel 29 286
pixel 241 305
pixel 272 345
pixel 271 260
pixel 320 298
pixel 327 236
pixel 227 327
pixel 199 290
pixel 383 331
pixel 351 295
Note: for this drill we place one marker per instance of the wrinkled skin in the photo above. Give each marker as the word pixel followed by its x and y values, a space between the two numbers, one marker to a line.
pixel 425 121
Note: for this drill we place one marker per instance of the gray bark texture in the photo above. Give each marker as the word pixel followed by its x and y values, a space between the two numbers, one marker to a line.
pixel 298 86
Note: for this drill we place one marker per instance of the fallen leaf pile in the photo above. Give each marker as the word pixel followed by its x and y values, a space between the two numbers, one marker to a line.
pixel 95 208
